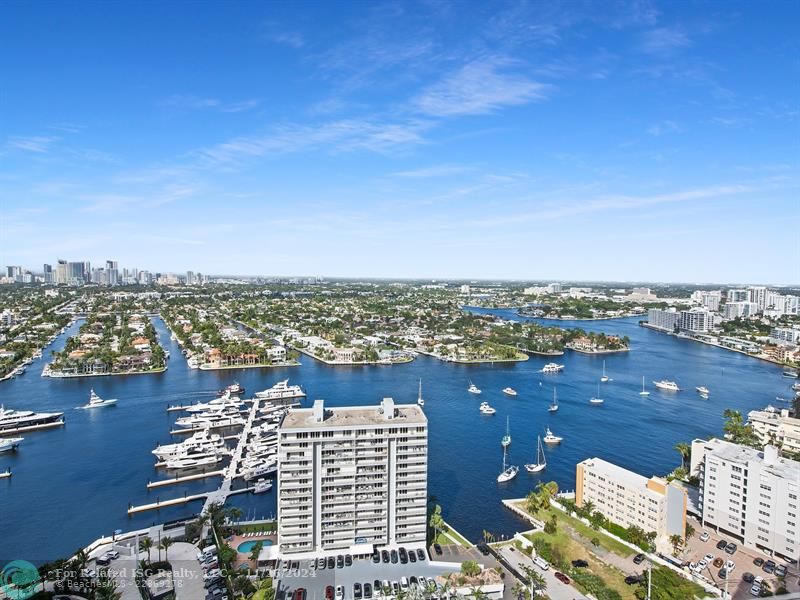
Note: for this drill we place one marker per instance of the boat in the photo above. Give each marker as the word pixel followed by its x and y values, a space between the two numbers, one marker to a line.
pixel 604 378
pixel 669 386
pixel 552 368
pixel 261 486
pixel 510 391
pixel 96 401
pixel 796 387
pixel 473 389
pixel 509 472
pixel 550 438
pixel 486 409
pixel 541 461
pixel 791 373
pixel 192 462
pixel 233 389
pixel 280 391
pixel 10 444
pixel 506 439
pixel 12 421
pixel 702 390
pixel 266 468
pixel 223 402
pixel 198 440
pixel 554 405
pixel 644 392
pixel 420 399
pixel 596 399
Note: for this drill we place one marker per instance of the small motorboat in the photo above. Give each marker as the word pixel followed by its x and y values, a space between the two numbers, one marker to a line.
pixel 550 438
pixel 96 401
pixel 486 409
pixel 510 391
pixel 261 486
pixel 473 389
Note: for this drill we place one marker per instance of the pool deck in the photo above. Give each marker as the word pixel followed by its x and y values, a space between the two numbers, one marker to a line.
pixel 244 557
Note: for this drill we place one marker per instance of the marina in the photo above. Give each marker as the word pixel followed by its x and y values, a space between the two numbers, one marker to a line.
pixel 110 450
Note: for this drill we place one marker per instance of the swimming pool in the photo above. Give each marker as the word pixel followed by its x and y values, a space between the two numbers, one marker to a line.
pixel 247 547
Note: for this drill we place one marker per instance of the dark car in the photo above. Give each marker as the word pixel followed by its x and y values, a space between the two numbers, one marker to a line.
pixel 357 591
pixel 300 594
pixel 393 555
pixel 723 573
pixel 580 563
pixel 638 559
pixel 437 548
pixel 718 562
pixel 331 562
pixel 769 566
pixel 339 561
pixel 412 556
pixel 322 563
pixel 403 556
pixel 721 545
pixel 385 556
pixel 730 548
pixel 377 586
pixel 562 578
pixel 631 579
pixel 420 555
pixel 484 549
pixel 758 562
pixel 780 571
pixel 367 591
pixel 748 577
pixel 376 557
pixel 329 592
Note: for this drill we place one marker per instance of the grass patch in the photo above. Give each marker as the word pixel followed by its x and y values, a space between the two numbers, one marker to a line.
pixel 443 539
pixel 583 530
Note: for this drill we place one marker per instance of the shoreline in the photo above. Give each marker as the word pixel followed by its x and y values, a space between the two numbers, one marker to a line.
pixel 592 352
pixel 273 366
pixel 362 363
pixel 47 373
pixel 473 362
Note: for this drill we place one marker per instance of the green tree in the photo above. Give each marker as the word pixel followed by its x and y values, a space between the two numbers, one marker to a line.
pixel 145 544
pixel 685 450
pixel 165 545
pixel 470 568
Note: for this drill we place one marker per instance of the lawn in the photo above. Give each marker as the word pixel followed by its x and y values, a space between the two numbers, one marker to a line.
pixel 442 539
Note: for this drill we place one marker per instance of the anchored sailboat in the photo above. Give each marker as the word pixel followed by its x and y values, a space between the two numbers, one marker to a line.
pixel 554 405
pixel 596 399
pixel 420 400
pixel 605 378
pixel 644 392
pixel 506 441
pixel 541 461
pixel 509 472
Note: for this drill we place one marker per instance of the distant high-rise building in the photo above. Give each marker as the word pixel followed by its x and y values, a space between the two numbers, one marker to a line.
pixel 737 296
pixel 663 319
pixel 696 320
pixel 554 288
pixel 47 271
pixel 112 272
pixel 61 275
pixel 758 296
pixel 190 278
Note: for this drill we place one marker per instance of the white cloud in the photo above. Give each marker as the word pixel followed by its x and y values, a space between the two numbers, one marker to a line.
pixel 425 172
pixel 35 143
pixel 664 40
pixel 191 102
pixel 479 87
pixel 664 127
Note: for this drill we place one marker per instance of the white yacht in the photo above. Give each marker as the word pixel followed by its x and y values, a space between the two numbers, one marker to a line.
pixel 473 389
pixel 702 390
pixel 193 462
pixel 10 444
pixel 486 409
pixel 509 472
pixel 552 368
pixel 506 440
pixel 541 461
pixel 550 438
pixel 233 389
pixel 596 399
pixel 96 401
pixel 281 390
pixel 261 486
pixel 209 420
pixel 554 405
pixel 666 385
pixel 420 399
pixel 510 391
pixel 605 378
pixel 225 401
pixel 267 468
pixel 198 440
pixel 790 373
pixel 644 391
pixel 12 421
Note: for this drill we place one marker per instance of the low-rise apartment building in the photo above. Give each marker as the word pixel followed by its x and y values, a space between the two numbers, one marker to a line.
pixel 776 427
pixel 627 498
pixel 351 479
pixel 750 495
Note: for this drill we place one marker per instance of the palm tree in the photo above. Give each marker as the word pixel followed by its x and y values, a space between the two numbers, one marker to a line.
pixel 536 581
pixel 587 509
pixel 677 543
pixel 145 544
pixel 685 450
pixel 165 544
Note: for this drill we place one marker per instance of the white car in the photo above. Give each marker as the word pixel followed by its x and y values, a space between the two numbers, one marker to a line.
pixel 709 558
pixel 112 554
pixel 339 592
pixel 730 566
pixel 704 536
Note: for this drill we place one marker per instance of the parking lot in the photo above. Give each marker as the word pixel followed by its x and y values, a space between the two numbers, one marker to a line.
pixel 743 559
pixel 314 581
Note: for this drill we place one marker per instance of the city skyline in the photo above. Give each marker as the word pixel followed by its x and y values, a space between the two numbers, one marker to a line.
pixel 636 142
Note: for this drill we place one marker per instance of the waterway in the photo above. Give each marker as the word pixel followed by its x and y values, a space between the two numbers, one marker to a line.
pixel 74 484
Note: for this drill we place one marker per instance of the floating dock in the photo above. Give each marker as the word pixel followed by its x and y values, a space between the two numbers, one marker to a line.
pixel 176 480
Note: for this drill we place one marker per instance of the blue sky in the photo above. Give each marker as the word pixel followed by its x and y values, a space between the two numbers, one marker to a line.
pixel 580 140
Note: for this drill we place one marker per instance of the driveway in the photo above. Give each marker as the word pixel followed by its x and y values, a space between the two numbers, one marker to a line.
pixel 555 589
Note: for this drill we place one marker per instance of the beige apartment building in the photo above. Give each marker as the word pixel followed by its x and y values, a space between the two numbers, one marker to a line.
pixel 776 427
pixel 351 479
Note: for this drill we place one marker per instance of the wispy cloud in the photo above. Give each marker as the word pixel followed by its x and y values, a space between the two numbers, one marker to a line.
pixel 664 40
pixel 479 87
pixel 664 127
pixel 278 34
pixel 36 143
pixel 426 172
pixel 191 102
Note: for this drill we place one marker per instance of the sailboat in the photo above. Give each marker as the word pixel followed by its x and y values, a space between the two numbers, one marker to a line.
pixel 605 378
pixel 96 401
pixel 420 400
pixel 554 406
pixel 509 472
pixel 644 392
pixel 596 399
pixel 506 440
pixel 541 461
pixel 473 389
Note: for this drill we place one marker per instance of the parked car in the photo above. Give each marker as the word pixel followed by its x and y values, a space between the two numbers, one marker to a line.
pixel 580 563
pixel 748 577
pixel 377 588
pixel 769 566
pixel 329 593
pixel 412 556
pixel 758 561
pixel 721 545
pixel 339 561
pixel 632 579
pixel 331 562
pixel 723 574
pixel 403 556
pixel 348 560
pixel 357 591
pixel 780 571
pixel 755 590
pixel 385 556
pixel 541 563
pixel 484 549
pixel 103 561
pixel 420 554
pixel 300 594
pixel 730 566
pixel 562 578
pixel 638 559
pixel 718 562
pixel 339 592
pixel 376 557
pixel 438 549
pixel 367 587
pixel 730 548
pixel 393 555
pixel 704 536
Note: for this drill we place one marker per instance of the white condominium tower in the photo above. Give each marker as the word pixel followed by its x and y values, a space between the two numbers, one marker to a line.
pixel 750 495
pixel 352 478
